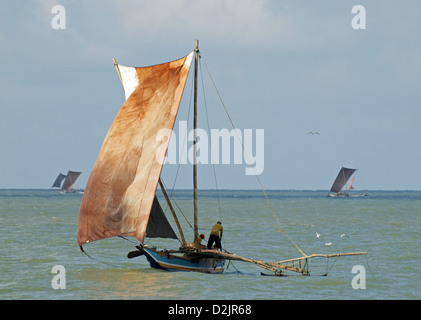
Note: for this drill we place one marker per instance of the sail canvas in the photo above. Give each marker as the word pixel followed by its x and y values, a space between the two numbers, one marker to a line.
pixel 58 181
pixel 341 179
pixel 70 179
pixel 121 188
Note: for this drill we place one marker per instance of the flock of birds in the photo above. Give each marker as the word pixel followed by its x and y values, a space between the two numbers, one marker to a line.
pixel 343 235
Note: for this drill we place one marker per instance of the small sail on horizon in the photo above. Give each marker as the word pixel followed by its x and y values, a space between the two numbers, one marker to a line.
pixel 70 181
pixel 58 181
pixel 350 187
pixel 341 179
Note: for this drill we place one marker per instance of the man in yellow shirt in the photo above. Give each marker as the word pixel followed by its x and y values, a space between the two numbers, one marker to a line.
pixel 216 236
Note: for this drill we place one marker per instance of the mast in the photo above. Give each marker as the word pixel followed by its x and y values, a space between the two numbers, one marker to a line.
pixel 196 58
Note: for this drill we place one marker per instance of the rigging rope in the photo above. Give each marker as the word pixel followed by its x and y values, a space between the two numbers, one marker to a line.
pixel 327 265
pixel 246 154
pixel 106 263
pixel 212 160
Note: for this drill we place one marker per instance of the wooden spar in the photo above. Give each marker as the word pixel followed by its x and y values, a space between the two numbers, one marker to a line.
pixel 183 240
pixel 196 58
pixel 316 255
pixel 118 70
pixel 272 266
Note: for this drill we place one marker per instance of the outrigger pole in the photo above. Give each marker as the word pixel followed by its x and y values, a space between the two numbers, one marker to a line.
pixel 275 266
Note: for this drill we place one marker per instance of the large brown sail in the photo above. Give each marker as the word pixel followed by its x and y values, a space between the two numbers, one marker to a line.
pixel 121 188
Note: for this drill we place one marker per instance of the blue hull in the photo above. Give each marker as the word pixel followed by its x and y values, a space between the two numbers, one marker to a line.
pixel 191 262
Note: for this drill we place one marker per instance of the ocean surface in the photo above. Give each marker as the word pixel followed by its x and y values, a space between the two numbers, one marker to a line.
pixel 38 235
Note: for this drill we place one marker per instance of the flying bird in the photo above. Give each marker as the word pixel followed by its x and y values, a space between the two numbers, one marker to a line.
pixel 317 234
pixel 313 133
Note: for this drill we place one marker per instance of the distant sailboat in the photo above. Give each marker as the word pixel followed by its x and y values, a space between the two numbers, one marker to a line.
pixel 120 196
pixel 341 179
pixel 69 181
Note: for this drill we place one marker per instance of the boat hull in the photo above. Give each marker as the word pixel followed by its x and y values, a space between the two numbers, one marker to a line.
pixel 346 195
pixel 186 262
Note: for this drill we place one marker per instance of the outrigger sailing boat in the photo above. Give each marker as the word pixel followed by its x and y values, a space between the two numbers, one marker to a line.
pixel 341 179
pixel 119 198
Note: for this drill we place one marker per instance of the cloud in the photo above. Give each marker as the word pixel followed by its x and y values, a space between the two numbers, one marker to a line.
pixel 245 21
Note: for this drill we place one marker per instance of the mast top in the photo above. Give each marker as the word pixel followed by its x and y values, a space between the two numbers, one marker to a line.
pixel 196 48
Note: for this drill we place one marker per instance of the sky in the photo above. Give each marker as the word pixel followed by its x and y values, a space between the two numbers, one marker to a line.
pixel 287 67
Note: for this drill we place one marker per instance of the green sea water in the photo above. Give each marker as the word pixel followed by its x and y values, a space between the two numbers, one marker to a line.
pixel 38 232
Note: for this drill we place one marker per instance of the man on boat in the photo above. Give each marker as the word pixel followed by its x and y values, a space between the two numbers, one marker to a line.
pixel 216 236
pixel 198 243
